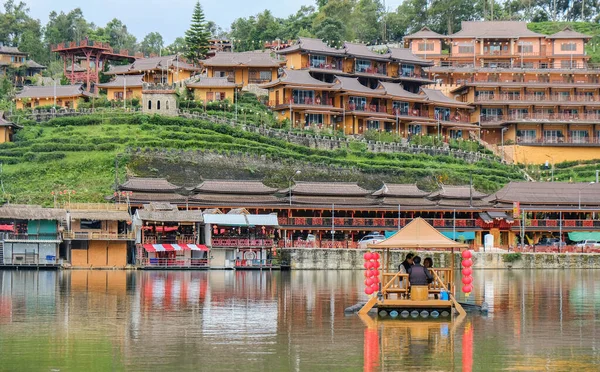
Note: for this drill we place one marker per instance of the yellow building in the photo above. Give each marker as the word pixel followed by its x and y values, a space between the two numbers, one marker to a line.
pixel 244 68
pixel 214 89
pixel 7 129
pixel 98 237
pixel 129 86
pixel 13 57
pixel 66 96
pixel 166 69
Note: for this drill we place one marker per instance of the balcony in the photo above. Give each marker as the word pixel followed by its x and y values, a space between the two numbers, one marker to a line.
pixel 241 243
pixel 368 108
pixel 174 262
pixel 380 223
pixel 413 75
pixel 560 117
pixel 414 113
pixel 370 70
pixel 558 141
pixel 324 66
pixel 304 101
pixel 179 239
pixel 537 98
pixel 12 237
pixel 89 235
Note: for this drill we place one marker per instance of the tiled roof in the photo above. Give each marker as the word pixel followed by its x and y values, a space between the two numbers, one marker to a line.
pixel 152 63
pixel 31 212
pixel 100 215
pixel 234 199
pixel 436 96
pixel 76 68
pixel 329 200
pixel 234 187
pixel 120 69
pixel 249 59
pixel 298 77
pixel 361 50
pixel 406 55
pixel 170 216
pixel 404 202
pixel 144 197
pixel 10 50
pixel 456 192
pixel 48 91
pixel 548 193
pixel 311 45
pixel 463 203
pixel 129 81
pixel 6 123
pixel 569 33
pixel 148 184
pixel 396 90
pixel 33 64
pixel 424 33
pixel 494 29
pixel 353 85
pixel 327 188
pixel 400 190
pixel 213 82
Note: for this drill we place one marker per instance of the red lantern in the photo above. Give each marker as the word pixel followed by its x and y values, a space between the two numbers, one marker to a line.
pixel 367 265
pixel 376 272
pixel 467 263
pixel 369 290
pixel 372 273
pixel 376 264
pixel 467 288
pixel 375 279
pixel 375 287
pixel 466 254
pixel 467 280
pixel 375 255
pixel 467 271
pixel 368 256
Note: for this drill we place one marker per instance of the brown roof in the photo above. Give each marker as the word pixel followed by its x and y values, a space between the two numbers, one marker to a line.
pixel 33 64
pixel 569 33
pixel 10 50
pixel 31 212
pixel 148 184
pixel 402 202
pixel 120 69
pixel 76 68
pixel 249 59
pixel 129 81
pixel 456 192
pixel 213 82
pixel 463 203
pixel 145 197
pixel 31 91
pixel 548 193
pixel 234 199
pixel 234 187
pixel 327 188
pixel 353 85
pixel 6 123
pixel 100 215
pixel 437 97
pixel 424 33
pixel 396 90
pixel 400 190
pixel 527 84
pixel 298 77
pixel 311 45
pixel 329 200
pixel 152 63
pixel 406 55
pixel 418 234
pixel 494 30
pixel 362 51
pixel 151 214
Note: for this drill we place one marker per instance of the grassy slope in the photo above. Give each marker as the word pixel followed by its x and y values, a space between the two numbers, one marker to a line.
pixel 79 154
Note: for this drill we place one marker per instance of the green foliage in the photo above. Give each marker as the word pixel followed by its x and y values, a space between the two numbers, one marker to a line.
pixel 152 44
pixel 196 37
pixel 511 257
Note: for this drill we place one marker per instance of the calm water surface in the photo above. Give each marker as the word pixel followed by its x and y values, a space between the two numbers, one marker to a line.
pixel 255 321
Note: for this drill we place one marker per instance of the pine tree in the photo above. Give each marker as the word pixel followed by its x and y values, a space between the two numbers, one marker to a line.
pixel 196 38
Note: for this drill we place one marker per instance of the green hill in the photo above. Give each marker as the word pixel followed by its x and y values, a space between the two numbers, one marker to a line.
pixel 78 153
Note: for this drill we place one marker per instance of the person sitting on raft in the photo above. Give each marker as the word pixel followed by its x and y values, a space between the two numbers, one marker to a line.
pixel 406 264
pixel 419 275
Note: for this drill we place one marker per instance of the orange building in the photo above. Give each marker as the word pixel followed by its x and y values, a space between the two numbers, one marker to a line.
pixel 98 235
pixel 214 89
pixel 63 95
pixel 13 57
pixel 256 67
pixel 129 86
pixel 166 69
pixel 7 129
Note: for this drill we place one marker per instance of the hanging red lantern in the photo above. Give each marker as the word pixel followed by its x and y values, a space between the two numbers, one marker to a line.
pixel 375 279
pixel 466 254
pixel 375 255
pixel 467 280
pixel 367 265
pixel 368 282
pixel 467 263
pixel 375 287
pixel 376 264
pixel 467 271
pixel 467 288
pixel 376 272
pixel 368 256
pixel 369 290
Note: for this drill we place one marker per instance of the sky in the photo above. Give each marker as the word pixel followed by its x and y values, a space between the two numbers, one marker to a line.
pixel 168 17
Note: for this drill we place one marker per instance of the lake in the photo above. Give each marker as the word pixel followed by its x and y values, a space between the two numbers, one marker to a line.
pixel 277 321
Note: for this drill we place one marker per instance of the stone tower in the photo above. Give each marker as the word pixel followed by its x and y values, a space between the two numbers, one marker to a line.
pixel 159 99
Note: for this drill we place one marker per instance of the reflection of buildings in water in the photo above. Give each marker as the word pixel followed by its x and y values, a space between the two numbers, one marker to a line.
pixel 169 291
pixel 27 293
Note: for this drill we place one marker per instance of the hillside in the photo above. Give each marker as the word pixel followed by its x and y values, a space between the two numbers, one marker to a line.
pixel 78 153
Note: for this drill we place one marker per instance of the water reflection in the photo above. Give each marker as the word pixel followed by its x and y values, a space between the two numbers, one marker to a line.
pixel 286 321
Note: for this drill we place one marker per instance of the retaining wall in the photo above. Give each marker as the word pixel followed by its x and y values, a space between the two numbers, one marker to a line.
pixel 345 259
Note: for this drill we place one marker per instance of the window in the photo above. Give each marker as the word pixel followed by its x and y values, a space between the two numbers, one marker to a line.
pixel 408 70
pixel 414 129
pixel 484 95
pixel 373 124
pixel 568 64
pixel 220 96
pixel 303 97
pixel 357 103
pixel 362 65
pixel 400 108
pixel 119 96
pixel 90 224
pixel 149 104
pixel 562 96
pixel 526 135
pixel 525 48
pixel 539 96
pixel 512 95
pixel 12 58
pixel 553 136
pixel 568 47
pixel 491 113
pixel 265 75
pixel 579 136
pixel 466 49
pixel 455 133
pixel 317 61
pixel 79 244
pixel 313 119
pixel 442 113
pixel 520 113
pixel 425 47
pixel 22 59
pixel 158 105
pixel 210 96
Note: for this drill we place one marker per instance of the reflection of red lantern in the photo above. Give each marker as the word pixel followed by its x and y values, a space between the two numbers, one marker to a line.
pixel 466 254
pixel 467 288
pixel 467 280
pixel 467 263
pixel 467 271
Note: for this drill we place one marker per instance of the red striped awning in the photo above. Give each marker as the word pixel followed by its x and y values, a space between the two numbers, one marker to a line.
pixel 174 247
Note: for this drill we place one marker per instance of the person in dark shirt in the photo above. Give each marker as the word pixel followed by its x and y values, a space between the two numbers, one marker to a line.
pixel 428 262
pixel 419 275
pixel 406 264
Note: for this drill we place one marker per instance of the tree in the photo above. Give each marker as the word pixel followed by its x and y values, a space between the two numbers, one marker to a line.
pixel 215 31
pixel 330 30
pixel 196 38
pixel 366 20
pixel 152 44
pixel 118 36
pixel 445 16
pixel 409 17
pixel 177 46
pixel 66 27
pixel 341 10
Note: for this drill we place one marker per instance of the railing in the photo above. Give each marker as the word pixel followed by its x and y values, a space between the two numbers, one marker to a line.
pixel 240 242
pixel 336 244
pixel 312 101
pixel 564 223
pixel 256 263
pixel 179 239
pixel 323 66
pixel 173 262
pixel 537 98
pixel 370 70
pixel 397 283
pixel 415 75
pixel 23 259
pixel 560 116
pixel 411 113
pixel 90 235
pixel 518 65
pixel 258 80
pixel 367 108
pixel 31 237
pixel 358 222
pixel 553 140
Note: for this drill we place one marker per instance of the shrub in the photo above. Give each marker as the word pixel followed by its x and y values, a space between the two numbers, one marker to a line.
pixel 511 257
